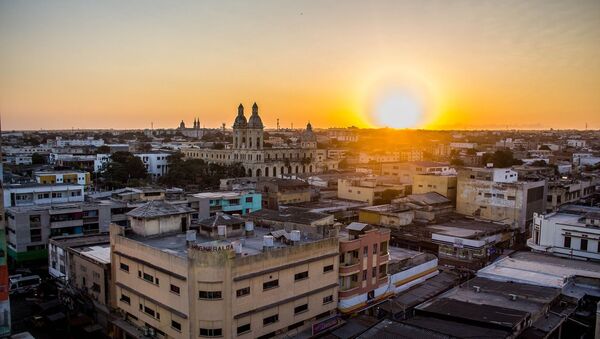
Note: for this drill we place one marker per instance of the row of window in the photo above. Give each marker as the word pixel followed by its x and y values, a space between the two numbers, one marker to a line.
pixel 583 244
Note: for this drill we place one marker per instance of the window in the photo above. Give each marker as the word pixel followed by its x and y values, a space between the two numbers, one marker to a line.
pixel 176 326
pixel 209 294
pixel 322 315
pixel 243 329
pixel 374 248
pixel 271 320
pixel 124 267
pixel 271 284
pixel 125 299
pixel 374 272
pixel 211 332
pixel 364 277
pixel 567 242
pixel 296 325
pixel 175 289
pixel 327 268
pixel 365 251
pixel 583 245
pixel 148 277
pixel 149 311
pixel 328 299
pixel 301 276
pixel 301 308
pixel 243 291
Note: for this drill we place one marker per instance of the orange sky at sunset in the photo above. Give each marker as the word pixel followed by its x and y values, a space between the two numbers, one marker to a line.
pixel 424 64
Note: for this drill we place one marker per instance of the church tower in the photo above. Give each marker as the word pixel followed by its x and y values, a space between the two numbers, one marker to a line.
pixel 239 129
pixel 255 130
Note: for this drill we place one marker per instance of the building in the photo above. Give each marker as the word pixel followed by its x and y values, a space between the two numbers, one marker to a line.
pixel 39 194
pixel 195 132
pixel 208 204
pixel 62 177
pixel 573 231
pixel 29 228
pixel 391 216
pixel 369 190
pixel 564 191
pixel 276 192
pixel 157 217
pixel 258 161
pixel 404 172
pixel 495 194
pixel 427 207
pixel 185 285
pixel 81 264
pixel 156 163
pixel 363 267
pixel 5 320
pixel 442 184
pixel 295 218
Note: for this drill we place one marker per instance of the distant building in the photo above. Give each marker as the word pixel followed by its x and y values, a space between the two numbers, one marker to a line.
pixel 573 231
pixel 563 192
pixel 208 204
pixel 404 172
pixel 276 192
pixel 368 190
pixel 442 184
pixel 62 177
pixel 38 194
pixel 156 163
pixel 495 194
pixel 196 131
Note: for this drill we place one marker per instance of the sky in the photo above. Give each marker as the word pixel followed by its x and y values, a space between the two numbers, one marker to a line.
pixel 407 64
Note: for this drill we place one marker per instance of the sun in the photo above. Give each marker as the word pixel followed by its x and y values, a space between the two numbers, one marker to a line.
pixel 399 100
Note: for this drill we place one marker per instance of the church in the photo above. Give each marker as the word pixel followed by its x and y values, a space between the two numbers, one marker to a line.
pixel 195 132
pixel 247 148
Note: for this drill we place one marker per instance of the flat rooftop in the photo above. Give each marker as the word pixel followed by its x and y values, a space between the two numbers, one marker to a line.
pixel 219 195
pixel 467 228
pixel 43 186
pixel 539 269
pixel 288 214
pixel 175 243
pixel 331 205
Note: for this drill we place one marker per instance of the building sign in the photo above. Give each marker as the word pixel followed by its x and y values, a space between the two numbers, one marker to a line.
pixel 324 325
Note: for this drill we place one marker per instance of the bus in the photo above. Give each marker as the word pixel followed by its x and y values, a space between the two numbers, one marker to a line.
pixel 20 284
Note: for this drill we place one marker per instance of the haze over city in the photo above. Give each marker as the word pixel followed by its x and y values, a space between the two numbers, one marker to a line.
pixel 426 64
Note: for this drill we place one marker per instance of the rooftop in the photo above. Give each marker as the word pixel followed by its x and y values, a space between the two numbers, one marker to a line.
pixel 219 195
pixel 158 208
pixel 429 198
pixel 467 228
pixel 42 186
pixel 175 243
pixel 288 214
pixel 221 219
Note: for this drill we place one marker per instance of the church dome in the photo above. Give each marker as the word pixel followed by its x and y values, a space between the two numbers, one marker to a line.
pixel 240 120
pixel 255 121
pixel 308 134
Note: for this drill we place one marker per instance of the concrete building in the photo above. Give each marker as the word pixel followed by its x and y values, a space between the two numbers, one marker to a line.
pixel 39 194
pixel 5 319
pixel 276 192
pixel 404 172
pixel 562 192
pixel 82 266
pixel 185 285
pixel 391 216
pixel 248 149
pixel 208 204
pixel 363 270
pixel 62 177
pixel 495 194
pixel 573 231
pixel 427 207
pixel 157 217
pixel 295 218
pixel 442 184
pixel 368 190
pixel 156 163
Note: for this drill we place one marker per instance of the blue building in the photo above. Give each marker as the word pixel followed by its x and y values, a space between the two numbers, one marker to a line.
pixel 207 204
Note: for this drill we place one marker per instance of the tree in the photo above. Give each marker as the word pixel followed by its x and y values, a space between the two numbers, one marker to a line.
pixel 123 170
pixel 539 163
pixel 103 150
pixel 501 159
pixel 457 162
pixel 545 148
pixel 38 159
pixel 198 173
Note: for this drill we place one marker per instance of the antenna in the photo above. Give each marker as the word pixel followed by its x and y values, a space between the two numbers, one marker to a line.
pixel 278 124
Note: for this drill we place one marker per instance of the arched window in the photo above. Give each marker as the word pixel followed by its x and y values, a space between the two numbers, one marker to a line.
pixel 266 171
pixel 274 171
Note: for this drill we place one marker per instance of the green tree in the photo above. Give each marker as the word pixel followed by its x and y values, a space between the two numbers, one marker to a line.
pixel 501 159
pixel 38 159
pixel 457 162
pixel 103 150
pixel 124 169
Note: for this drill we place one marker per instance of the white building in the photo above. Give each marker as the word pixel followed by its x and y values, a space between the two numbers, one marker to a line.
pixel 157 163
pixel 90 141
pixel 572 232
pixel 577 143
pixel 463 145
pixel 585 159
pixel 38 194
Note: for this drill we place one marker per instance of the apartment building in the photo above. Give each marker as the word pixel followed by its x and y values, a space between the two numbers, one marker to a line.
pixel 5 321
pixel 363 267
pixel 368 190
pixel 157 163
pixel 404 172
pixel 39 194
pixel 439 183
pixel 563 192
pixel 276 192
pixel 62 177
pixel 208 204
pixel 573 231
pixel 496 194
pixel 176 284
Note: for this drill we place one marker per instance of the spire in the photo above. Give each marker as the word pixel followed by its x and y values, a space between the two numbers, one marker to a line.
pixel 241 109
pixel 255 108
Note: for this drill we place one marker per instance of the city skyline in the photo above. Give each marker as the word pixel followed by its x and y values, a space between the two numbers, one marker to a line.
pixel 470 65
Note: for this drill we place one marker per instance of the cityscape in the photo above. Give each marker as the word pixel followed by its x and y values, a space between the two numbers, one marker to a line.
pixel 385 169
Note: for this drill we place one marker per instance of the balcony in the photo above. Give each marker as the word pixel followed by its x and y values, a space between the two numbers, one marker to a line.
pixel 66 223
pixel 350 267
pixel 384 257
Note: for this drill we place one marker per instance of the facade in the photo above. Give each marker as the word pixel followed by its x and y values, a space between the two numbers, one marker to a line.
pixel 572 232
pixel 564 192
pixel 391 216
pixel 404 172
pixel 39 194
pixel 195 132
pixel 5 320
pixel 495 194
pixel 157 163
pixel 363 268
pixel 367 190
pixel 247 148
pixel 442 184
pixel 186 285
pixel 62 177
pixel 208 204
pixel 276 192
